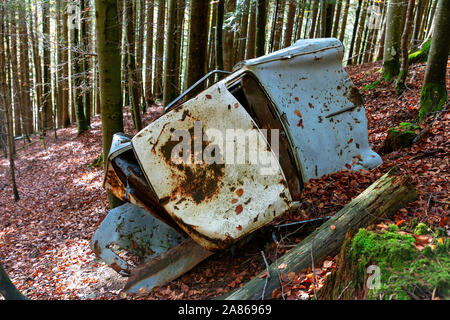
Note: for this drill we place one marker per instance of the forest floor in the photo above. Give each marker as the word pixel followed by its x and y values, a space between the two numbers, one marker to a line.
pixel 44 238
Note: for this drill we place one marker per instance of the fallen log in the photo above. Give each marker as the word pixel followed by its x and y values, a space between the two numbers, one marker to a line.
pixel 380 200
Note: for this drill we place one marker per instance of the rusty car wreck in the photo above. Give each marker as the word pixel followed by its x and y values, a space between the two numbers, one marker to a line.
pixel 180 212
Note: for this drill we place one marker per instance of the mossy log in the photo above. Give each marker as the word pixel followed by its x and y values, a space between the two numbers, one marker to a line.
pixel 397 139
pixel 385 264
pixel 380 200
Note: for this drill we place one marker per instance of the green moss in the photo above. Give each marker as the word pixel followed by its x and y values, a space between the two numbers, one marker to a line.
pixel 392 228
pixel 406 272
pixel 420 229
pixel 371 86
pixel 420 55
pixel 432 98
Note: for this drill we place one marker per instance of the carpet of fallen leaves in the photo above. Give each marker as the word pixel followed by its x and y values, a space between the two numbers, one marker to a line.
pixel 44 238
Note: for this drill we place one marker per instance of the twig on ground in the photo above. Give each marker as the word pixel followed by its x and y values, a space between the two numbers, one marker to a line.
pixel 268 274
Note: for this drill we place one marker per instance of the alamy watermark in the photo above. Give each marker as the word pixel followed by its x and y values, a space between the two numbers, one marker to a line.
pixel 230 146
pixel 374 278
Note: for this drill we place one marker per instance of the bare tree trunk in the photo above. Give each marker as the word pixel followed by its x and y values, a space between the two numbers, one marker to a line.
pixel 400 81
pixel 228 52
pixel 261 20
pixel 433 95
pixel 300 17
pixel 219 34
pixel 181 6
pixel 86 86
pixel 149 53
pixel 108 50
pixel 290 23
pixel 337 17
pixel 159 50
pixel 198 43
pixel 170 90
pixel 131 64
pixel 344 21
pixel 243 33
pixel 47 119
pixel 251 37
pixel 391 55
pixel 355 29
pixel 6 103
pixel 315 11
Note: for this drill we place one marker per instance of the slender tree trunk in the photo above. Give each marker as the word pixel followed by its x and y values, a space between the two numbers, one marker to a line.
pixel 251 37
pixel 420 11
pixel 65 68
pixel 434 92
pixel 228 52
pixel 243 33
pixel 219 34
pixel 300 18
pixel 12 58
pixel 84 8
pixel 108 50
pixel 337 17
pixel 47 122
pixel 25 67
pixel 361 34
pixel 198 43
pixel 131 64
pixel 261 21
pixel 355 29
pixel 400 81
pixel 391 55
pixel 5 101
pixel 149 53
pixel 170 86
pixel 344 21
pixel 290 23
pixel 315 11
pixel 181 6
pixel 159 50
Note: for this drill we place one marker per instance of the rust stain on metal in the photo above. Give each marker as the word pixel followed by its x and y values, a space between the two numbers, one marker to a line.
pixel 240 192
pixel 298 113
pixel 239 209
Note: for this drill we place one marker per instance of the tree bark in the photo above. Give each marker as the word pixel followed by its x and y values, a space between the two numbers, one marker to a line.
pixel 159 50
pixel 170 90
pixel 434 92
pixel 315 11
pixel 250 54
pixel 355 28
pixel 198 43
pixel 391 54
pixel 77 81
pixel 108 51
pixel 344 21
pixel 400 81
pixel 380 200
pixel 228 52
pixel 149 54
pixel 133 85
pixel 290 23
pixel 261 20
pixel 219 34
pixel 47 122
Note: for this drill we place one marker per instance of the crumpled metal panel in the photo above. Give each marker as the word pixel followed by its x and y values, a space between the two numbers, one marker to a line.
pixel 133 229
pixel 320 107
pixel 216 204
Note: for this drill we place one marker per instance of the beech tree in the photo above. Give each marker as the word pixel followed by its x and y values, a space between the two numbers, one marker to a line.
pixel 434 91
